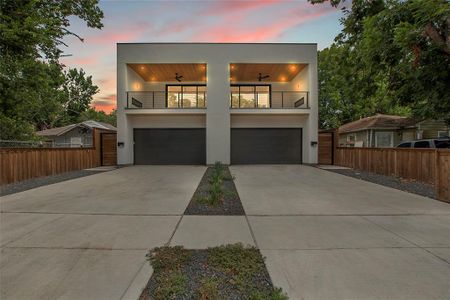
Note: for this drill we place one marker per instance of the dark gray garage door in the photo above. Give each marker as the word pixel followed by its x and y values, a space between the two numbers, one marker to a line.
pixel 266 145
pixel 169 146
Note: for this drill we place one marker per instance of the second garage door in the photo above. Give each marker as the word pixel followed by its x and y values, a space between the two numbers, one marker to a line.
pixel 266 145
pixel 169 146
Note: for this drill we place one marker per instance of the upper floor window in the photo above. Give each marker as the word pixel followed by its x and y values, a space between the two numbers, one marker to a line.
pixel 250 96
pixel 186 96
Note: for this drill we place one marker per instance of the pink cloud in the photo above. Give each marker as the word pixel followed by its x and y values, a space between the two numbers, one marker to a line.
pixel 225 7
pixel 176 27
pixel 105 103
pixel 270 30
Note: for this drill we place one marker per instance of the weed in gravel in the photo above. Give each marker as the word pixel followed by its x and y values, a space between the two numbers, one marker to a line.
pixel 170 285
pixel 168 258
pixel 224 272
pixel 276 294
pixel 215 193
pixel 240 263
pixel 229 194
pixel 209 289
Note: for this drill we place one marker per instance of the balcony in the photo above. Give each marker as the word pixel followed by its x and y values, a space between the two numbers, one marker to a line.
pixel 197 100
pixel 175 97
pixel 269 99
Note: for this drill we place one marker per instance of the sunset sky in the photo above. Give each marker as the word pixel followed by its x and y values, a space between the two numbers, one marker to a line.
pixel 192 21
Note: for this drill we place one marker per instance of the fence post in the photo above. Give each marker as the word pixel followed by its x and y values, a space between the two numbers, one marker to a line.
pixel 395 163
pixel 436 173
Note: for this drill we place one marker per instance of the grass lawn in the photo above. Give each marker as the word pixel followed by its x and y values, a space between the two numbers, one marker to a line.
pixel 224 272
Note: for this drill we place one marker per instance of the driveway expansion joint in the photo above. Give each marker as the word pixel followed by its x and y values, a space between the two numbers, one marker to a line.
pixel 77 248
pixel 400 236
pixel 174 231
pixel 90 214
pixel 29 232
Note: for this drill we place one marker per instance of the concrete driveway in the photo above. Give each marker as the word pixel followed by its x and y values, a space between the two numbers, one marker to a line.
pixel 325 236
pixel 328 236
pixel 87 238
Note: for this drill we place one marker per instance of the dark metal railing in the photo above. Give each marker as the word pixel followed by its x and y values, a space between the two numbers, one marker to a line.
pixel 260 100
pixel 162 100
pixel 277 99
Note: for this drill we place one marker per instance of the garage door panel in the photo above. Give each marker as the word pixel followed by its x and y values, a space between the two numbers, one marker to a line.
pixel 169 146
pixel 266 145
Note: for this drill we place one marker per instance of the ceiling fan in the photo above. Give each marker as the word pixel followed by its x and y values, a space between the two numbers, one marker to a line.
pixel 261 77
pixel 178 77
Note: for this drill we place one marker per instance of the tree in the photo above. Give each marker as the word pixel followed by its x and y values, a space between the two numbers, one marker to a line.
pixel 101 116
pixel 35 28
pixel 33 91
pixel 394 59
pixel 79 90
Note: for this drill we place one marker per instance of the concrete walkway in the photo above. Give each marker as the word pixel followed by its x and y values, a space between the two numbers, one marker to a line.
pixel 325 236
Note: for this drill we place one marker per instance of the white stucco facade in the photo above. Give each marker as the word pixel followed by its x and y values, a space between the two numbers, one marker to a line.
pixel 217 118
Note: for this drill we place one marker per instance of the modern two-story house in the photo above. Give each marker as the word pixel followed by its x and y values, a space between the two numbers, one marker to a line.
pixel 198 103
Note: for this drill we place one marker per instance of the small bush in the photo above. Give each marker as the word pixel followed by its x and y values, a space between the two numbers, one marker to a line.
pixel 215 192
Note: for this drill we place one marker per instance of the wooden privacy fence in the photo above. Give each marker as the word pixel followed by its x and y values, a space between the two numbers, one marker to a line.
pixel 17 164
pixel 425 165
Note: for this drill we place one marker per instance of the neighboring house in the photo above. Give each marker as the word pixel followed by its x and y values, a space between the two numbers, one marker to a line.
pixel 431 129
pixel 388 131
pixel 74 135
pixel 197 103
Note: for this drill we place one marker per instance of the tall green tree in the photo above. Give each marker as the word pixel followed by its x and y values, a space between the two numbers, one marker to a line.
pixel 394 56
pixel 33 86
pixel 78 89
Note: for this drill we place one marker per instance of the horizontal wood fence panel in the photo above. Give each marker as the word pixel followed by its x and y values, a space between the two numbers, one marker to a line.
pixel 25 163
pixel 426 165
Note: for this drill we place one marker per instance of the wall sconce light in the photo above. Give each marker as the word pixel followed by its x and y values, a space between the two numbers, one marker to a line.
pixel 137 86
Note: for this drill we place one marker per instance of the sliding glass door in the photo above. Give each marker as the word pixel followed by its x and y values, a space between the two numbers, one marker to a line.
pixel 186 96
pixel 250 96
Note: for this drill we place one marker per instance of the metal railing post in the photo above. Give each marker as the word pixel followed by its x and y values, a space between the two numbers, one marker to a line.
pixel 307 99
pixel 153 99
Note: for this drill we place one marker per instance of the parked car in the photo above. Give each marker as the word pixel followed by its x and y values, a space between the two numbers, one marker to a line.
pixel 431 143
